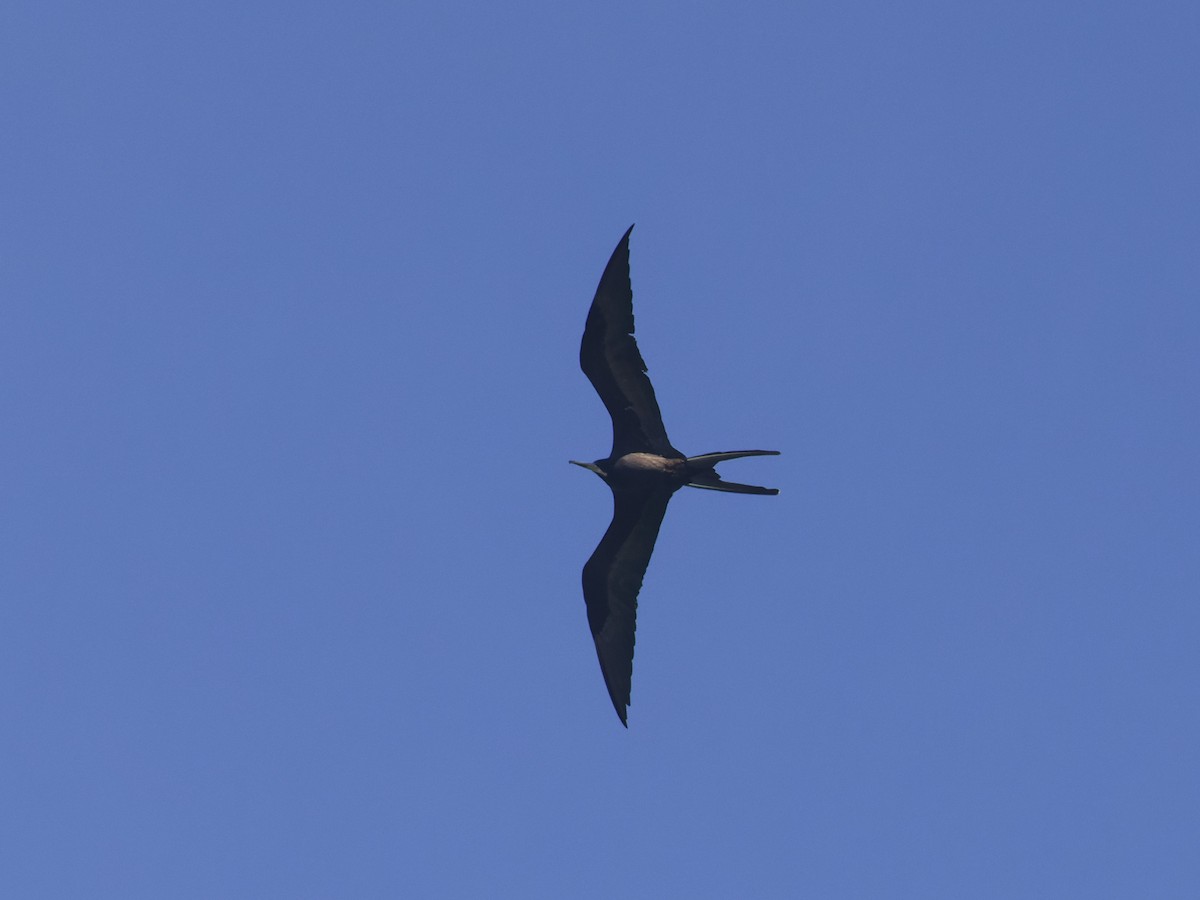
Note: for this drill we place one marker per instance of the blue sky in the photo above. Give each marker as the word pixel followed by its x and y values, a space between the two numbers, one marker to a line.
pixel 290 302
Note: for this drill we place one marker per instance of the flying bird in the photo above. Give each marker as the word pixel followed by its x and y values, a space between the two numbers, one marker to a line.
pixel 643 471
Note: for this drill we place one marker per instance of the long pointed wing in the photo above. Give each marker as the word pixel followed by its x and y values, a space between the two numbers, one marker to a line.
pixel 612 579
pixel 610 359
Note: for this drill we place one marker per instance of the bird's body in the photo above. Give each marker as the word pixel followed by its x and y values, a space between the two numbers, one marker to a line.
pixel 641 468
pixel 643 471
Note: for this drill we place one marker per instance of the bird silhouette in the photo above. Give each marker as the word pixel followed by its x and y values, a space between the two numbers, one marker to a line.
pixel 643 471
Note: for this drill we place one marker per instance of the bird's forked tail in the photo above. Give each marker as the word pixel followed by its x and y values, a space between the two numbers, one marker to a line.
pixel 702 473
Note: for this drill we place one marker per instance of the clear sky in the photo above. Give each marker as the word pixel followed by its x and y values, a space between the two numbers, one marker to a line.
pixel 290 307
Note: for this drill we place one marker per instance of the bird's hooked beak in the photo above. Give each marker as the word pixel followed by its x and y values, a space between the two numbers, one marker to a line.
pixel 586 465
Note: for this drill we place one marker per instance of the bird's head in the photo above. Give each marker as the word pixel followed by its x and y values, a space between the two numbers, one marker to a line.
pixel 593 466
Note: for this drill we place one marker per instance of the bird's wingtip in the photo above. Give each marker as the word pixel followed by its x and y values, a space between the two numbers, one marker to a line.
pixel 622 710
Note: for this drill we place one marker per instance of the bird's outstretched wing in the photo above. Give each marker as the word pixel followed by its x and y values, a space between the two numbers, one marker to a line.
pixel 612 579
pixel 610 359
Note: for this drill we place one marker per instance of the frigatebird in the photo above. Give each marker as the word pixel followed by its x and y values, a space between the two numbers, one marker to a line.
pixel 643 470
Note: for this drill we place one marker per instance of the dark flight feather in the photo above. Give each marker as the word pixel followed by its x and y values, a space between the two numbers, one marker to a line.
pixel 612 579
pixel 610 358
